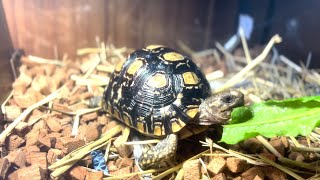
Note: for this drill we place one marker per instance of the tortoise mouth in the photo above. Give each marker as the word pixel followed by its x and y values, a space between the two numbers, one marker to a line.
pixel 208 122
pixel 205 122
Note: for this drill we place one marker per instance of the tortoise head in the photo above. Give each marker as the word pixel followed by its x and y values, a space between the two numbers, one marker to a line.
pixel 217 108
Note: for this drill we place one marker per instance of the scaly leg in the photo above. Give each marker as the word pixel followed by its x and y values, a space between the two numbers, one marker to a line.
pixel 163 151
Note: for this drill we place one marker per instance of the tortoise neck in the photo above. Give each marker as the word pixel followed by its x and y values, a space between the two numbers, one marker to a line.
pixel 191 129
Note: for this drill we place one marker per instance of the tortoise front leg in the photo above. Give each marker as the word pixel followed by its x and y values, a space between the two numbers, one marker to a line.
pixel 163 151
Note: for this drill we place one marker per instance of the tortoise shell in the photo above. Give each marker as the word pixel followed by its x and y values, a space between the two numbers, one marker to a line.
pixel 157 91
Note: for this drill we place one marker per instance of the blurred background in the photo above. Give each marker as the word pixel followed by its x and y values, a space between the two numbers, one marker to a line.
pixel 53 28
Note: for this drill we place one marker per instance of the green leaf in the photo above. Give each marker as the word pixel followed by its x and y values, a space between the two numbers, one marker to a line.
pixel 289 117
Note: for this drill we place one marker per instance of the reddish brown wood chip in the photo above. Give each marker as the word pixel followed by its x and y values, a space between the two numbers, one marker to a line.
pixel 94 175
pixel 121 171
pixel 17 158
pixel 22 129
pixel 268 155
pixel 59 106
pixel 41 84
pixel 28 150
pixel 89 117
pixel 277 143
pixel 35 116
pixel 124 162
pixel 252 145
pixel 34 135
pixel 112 168
pixel 19 88
pixel 285 141
pixel 216 165
pixel 123 150
pixel 14 141
pixel 258 178
pixel 68 144
pixel 89 132
pixel 112 124
pixel 54 124
pixel 135 177
pixel 220 176
pixel 4 166
pixel 29 98
pixel 37 70
pixel 78 173
pixel 66 132
pixel 12 112
pixel 66 121
pixel 39 159
pixel 296 156
pixel 21 83
pixel 192 170
pixel 46 142
pixel 31 172
pixel 274 173
pixel 24 78
pixel 86 161
pixel 49 70
pixel 40 125
pixel 235 164
pixel 55 135
pixel 252 173
pixel 103 120
pixel 53 155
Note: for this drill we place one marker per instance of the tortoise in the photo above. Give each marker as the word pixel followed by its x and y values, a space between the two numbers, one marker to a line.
pixel 158 91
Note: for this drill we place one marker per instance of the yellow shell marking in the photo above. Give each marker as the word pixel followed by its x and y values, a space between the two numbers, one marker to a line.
pixel 192 112
pixel 134 67
pixel 154 46
pixel 190 78
pixel 140 126
pixel 109 110
pixel 173 56
pixel 119 66
pixel 157 81
pixel 176 126
pixel 126 119
pixel 116 114
pixel 157 131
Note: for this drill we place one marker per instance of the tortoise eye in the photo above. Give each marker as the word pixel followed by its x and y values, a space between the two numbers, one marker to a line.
pixel 227 99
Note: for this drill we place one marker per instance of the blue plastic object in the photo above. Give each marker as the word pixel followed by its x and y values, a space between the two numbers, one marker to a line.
pixel 98 161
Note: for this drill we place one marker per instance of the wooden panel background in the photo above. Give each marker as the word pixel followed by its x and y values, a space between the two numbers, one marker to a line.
pixel 45 27
pixel 50 28
pixel 6 48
